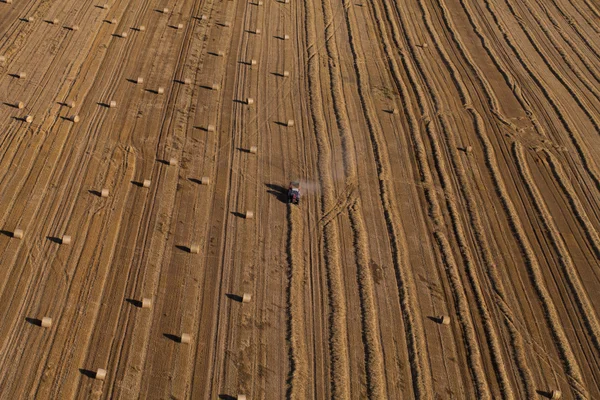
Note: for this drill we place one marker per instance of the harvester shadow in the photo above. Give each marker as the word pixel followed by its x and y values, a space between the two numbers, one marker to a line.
pixel 170 336
pixel 88 373
pixel 279 192
pixel 34 321
pixel 238 214
pixel 54 239
pixel 234 297
pixel 135 303
pixel 183 248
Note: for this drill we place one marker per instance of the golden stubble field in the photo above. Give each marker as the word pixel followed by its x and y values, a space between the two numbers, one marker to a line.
pixel 446 245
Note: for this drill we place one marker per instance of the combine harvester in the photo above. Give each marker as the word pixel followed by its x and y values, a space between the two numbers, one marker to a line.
pixel 294 192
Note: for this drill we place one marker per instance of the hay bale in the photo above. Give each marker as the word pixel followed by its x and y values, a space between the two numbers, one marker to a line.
pixel 55 21
pixel 172 162
pixel 141 28
pixel 74 118
pixel 205 180
pixel 70 104
pixel 100 374
pixel 425 45
pixel 203 17
pixel 30 19
pixel 195 249
pixel 444 320
pixel 260 3
pixel 253 149
pixel 210 128
pixel 290 123
pixel 139 80
pixel 468 149
pixel 21 75
pixel 241 397
pixel 395 111
pixel 257 31
pixel 286 73
pixel 113 21
pixel 8 1
pixel 146 303
pixel 187 81
pixel 104 6
pixel 146 183
pixel 246 297
pixel 221 53
pixel 104 193
pixel 2 59
pixel 184 338
pixel 18 234
pixel 249 101
pixel 555 394
pixel 123 35
pixel 66 239
pixel 28 119
pixel 46 322
pixel 253 62
pixel 19 105
pixel 215 86
pixel 179 26
pixel 286 37
pixel 227 24
pixel 161 90
pixel 249 215
pixel 75 28
pixel 165 10
pixel 112 104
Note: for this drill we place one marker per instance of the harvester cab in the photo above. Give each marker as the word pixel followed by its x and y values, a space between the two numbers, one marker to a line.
pixel 294 192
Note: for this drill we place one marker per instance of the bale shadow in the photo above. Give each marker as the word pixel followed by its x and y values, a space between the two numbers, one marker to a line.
pixel 183 248
pixel 240 101
pixel 14 75
pixel 194 180
pixel 6 233
pixel 102 104
pixel 234 297
pixel 134 302
pixel 206 87
pixel 279 37
pixel 34 321
pixel 13 105
pixel 54 239
pixel 175 338
pixel 544 393
pixel 214 53
pixel 88 373
pixel 160 160
pixel 138 184
pixel 280 123
pixel 132 80
pixel 245 62
pixel 238 214
pixel 280 192
pixel 243 150
pixel 227 397
pixel 223 24
pixel 154 91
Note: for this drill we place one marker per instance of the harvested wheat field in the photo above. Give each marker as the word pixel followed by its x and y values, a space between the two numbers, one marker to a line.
pixel 446 245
